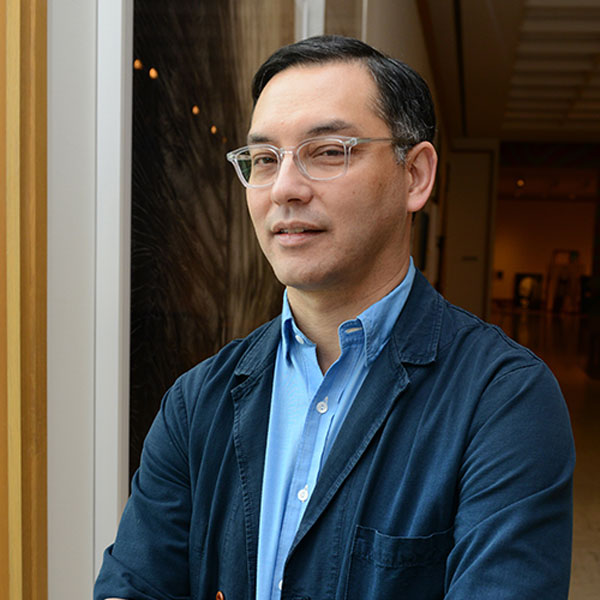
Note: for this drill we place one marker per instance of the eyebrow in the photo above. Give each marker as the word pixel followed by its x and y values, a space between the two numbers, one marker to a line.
pixel 329 127
pixel 335 126
pixel 257 138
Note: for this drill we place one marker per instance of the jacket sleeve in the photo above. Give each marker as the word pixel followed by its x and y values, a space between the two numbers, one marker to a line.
pixel 149 559
pixel 513 525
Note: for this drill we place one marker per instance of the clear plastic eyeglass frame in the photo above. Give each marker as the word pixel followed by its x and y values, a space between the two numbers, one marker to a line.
pixel 318 158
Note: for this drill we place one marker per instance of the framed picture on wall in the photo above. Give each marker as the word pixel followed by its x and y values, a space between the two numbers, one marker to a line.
pixel 528 290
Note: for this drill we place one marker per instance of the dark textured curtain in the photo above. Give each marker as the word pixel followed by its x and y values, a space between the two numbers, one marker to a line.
pixel 198 278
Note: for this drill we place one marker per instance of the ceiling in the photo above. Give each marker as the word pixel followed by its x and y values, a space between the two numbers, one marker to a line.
pixel 517 70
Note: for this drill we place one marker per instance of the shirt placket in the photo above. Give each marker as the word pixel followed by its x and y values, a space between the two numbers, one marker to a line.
pixel 314 439
pixel 321 411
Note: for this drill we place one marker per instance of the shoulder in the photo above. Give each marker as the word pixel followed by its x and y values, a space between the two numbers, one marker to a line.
pixel 501 381
pixel 466 335
pixel 472 359
pixel 432 330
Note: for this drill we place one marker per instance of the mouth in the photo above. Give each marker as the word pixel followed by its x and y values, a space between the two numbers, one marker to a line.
pixel 292 230
pixel 292 235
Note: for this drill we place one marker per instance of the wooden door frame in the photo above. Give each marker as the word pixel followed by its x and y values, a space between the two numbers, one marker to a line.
pixel 23 291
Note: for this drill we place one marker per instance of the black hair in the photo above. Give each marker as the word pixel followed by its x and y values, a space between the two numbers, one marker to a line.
pixel 404 101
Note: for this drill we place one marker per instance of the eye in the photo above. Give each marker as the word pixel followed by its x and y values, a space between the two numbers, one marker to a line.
pixel 324 154
pixel 327 150
pixel 263 158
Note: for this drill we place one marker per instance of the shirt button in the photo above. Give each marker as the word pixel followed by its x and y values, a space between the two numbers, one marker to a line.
pixel 299 339
pixel 322 406
pixel 303 494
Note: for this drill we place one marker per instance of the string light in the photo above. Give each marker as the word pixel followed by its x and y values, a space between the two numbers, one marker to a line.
pixel 137 64
pixel 195 109
pixel 213 129
pixel 153 73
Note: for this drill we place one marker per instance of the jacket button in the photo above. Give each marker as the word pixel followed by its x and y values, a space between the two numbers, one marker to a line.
pixel 220 595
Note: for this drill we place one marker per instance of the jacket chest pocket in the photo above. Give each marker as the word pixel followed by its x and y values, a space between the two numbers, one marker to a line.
pixel 392 567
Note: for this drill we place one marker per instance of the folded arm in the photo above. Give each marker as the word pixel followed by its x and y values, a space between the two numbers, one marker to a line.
pixel 514 520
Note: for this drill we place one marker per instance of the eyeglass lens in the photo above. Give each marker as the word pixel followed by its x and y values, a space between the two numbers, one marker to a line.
pixel 319 159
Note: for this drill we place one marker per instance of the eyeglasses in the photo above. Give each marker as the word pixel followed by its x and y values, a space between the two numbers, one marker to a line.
pixel 320 159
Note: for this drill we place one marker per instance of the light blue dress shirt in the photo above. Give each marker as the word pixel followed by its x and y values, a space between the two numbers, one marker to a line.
pixel 307 411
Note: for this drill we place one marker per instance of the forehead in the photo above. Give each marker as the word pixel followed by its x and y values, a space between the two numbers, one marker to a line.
pixel 309 99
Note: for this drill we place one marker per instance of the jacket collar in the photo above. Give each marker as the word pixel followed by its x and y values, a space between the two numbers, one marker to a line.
pixel 414 339
pixel 262 349
pixel 416 335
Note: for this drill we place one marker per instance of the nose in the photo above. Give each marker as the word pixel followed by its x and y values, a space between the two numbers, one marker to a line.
pixel 290 185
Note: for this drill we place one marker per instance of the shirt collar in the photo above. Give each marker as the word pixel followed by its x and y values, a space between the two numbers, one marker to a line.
pixel 377 321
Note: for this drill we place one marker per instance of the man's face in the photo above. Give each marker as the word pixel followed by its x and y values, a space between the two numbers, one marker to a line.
pixel 349 235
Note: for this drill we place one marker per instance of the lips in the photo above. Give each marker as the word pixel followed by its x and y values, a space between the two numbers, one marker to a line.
pixel 295 227
pixel 296 230
pixel 295 234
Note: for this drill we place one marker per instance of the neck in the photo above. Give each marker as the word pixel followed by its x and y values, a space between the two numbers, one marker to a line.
pixel 319 313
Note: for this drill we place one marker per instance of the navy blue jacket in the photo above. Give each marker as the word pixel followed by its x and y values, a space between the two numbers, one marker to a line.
pixel 450 478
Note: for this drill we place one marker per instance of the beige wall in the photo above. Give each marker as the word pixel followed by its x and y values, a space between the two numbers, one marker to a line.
pixel 394 27
pixel 528 232
pixel 468 227
pixel 344 17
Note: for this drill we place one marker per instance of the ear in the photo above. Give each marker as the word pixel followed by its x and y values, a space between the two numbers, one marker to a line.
pixel 421 163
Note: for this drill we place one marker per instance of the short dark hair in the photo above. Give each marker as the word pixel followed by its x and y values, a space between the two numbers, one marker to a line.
pixel 404 101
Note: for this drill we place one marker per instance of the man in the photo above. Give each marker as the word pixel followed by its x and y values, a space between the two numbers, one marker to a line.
pixel 373 441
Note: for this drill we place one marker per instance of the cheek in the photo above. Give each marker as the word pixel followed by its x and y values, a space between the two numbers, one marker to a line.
pixel 376 213
pixel 376 200
pixel 390 198
pixel 258 215
pixel 256 210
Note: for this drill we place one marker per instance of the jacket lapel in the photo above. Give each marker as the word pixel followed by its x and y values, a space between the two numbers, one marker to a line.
pixel 252 399
pixel 369 410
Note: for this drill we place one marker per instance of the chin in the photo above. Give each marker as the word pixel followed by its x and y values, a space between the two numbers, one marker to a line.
pixel 305 283
pixel 308 284
pixel 306 280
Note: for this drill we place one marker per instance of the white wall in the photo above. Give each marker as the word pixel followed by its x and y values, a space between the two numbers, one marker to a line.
pixel 113 266
pixel 71 278
pixel 87 285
